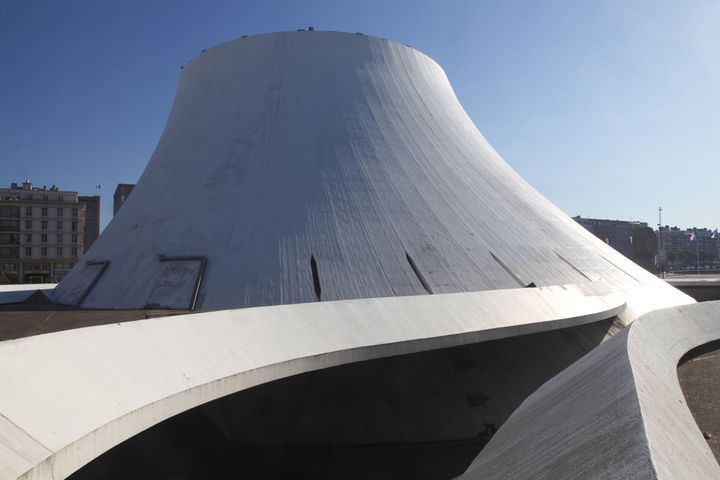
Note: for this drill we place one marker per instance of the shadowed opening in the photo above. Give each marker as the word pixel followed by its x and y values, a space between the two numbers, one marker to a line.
pixel 418 273
pixel 315 276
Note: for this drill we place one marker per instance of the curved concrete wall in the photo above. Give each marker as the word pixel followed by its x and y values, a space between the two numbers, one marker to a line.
pixel 618 412
pixel 346 150
pixel 143 372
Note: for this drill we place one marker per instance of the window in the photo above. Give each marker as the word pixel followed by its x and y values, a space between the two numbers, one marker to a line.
pixel 60 212
pixel 44 224
pixel 74 238
pixel 74 251
pixel 28 251
pixel 59 238
pixel 28 238
pixel 43 251
pixel 45 198
pixel 28 211
pixel 58 251
pixel 29 197
pixel 60 198
pixel 43 238
pixel 74 226
pixel 74 212
pixel 60 225
pixel 28 224
pixel 44 211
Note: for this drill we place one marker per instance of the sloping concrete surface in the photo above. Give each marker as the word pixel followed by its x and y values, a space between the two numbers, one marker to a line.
pixel 347 150
pixel 617 413
pixel 70 396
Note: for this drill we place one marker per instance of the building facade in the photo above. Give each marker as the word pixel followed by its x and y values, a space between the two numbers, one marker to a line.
pixel 688 248
pixel 122 192
pixel 41 233
pixel 635 240
pixel 92 220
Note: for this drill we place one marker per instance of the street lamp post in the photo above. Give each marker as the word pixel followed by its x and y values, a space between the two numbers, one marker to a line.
pixel 661 253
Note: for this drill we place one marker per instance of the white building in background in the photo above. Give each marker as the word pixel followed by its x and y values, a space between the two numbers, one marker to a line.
pixel 41 233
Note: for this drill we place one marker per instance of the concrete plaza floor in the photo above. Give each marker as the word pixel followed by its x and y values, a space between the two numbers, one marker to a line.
pixel 700 383
pixel 37 316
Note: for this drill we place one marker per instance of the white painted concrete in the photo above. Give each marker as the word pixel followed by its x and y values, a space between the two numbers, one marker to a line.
pixel 17 293
pixel 617 413
pixel 353 150
pixel 67 397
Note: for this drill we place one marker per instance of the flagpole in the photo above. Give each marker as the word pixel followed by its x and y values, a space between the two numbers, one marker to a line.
pixel 662 253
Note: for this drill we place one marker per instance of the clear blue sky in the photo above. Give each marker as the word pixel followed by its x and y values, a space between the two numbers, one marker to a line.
pixel 609 108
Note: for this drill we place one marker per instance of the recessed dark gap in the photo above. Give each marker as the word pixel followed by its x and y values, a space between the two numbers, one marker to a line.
pixel 531 285
pixel 418 273
pixel 507 269
pixel 316 277
pixel 572 266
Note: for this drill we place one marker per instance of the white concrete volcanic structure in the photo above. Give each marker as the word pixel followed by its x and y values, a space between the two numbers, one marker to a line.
pixel 317 165
pixel 301 177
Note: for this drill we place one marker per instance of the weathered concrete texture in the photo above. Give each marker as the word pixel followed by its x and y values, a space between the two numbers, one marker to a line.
pixel 20 293
pixel 93 388
pixel 616 413
pixel 346 150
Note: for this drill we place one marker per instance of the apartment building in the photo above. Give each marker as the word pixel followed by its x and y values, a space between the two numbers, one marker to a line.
pixel 41 233
pixel 122 192
pixel 92 220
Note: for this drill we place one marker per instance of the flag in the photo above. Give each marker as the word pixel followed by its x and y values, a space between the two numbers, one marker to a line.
pixel 607 240
pixel 630 239
pixel 691 237
pixel 714 234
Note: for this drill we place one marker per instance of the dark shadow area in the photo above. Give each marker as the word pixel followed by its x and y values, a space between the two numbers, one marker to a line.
pixel 420 416
pixel 701 293
pixel 699 376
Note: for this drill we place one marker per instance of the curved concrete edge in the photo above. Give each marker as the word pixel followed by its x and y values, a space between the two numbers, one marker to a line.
pixel 656 345
pixel 17 293
pixel 618 412
pixel 72 395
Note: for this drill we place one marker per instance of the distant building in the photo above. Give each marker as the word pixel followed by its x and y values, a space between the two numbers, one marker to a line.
pixel 122 192
pixel 92 220
pixel 633 239
pixel 681 252
pixel 40 233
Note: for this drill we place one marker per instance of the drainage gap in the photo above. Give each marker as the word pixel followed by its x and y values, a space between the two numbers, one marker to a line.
pixel 572 266
pixel 316 277
pixel 626 273
pixel 507 269
pixel 418 273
